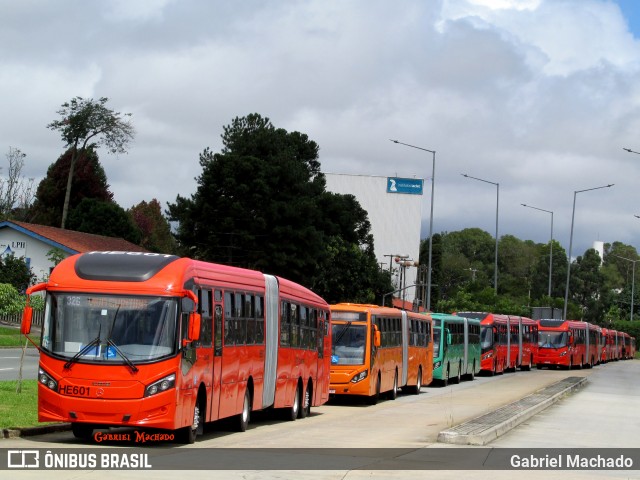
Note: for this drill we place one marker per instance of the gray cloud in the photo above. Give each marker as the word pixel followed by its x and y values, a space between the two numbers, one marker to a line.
pixel 539 96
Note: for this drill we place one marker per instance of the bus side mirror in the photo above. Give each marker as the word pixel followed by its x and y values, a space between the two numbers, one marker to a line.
pixel 27 317
pixel 194 326
pixel 376 336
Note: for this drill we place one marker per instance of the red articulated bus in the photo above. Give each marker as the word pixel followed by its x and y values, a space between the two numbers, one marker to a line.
pixel 626 346
pixel 528 342
pixel 567 343
pixel 157 341
pixel 507 341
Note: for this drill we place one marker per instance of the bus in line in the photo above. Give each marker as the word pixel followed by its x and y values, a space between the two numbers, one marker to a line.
pixel 157 341
pixel 567 344
pixel 456 348
pixel 378 350
pixel 507 341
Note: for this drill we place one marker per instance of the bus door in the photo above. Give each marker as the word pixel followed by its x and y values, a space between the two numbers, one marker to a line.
pixel 204 351
pixel 465 360
pixel 188 374
pixel 217 353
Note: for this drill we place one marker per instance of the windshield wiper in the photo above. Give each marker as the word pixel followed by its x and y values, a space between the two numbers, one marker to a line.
pixel 85 349
pixel 124 357
pixel 344 330
pixel 110 342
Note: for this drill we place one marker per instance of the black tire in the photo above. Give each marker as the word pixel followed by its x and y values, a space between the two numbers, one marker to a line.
pixel 393 393
pixel 83 431
pixel 188 434
pixel 373 399
pixel 458 377
pixel 294 410
pixel 539 366
pixel 472 375
pixel 245 415
pixel 305 407
pixel 445 381
pixel 418 387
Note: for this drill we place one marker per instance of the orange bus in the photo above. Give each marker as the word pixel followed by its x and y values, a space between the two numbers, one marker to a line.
pixel 379 350
pixel 158 341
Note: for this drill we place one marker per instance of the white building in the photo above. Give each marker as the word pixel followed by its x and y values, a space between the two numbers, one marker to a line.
pixel 35 243
pixel 394 207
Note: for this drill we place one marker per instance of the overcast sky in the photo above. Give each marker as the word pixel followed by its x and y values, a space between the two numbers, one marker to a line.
pixel 539 96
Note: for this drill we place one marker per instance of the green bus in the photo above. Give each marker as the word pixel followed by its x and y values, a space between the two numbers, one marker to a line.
pixel 456 348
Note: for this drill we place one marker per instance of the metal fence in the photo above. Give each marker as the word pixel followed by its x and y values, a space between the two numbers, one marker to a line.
pixel 16 318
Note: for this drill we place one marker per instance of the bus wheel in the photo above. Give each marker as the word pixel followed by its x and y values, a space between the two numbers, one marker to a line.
pixel 393 393
pixel 459 375
pixel 471 376
pixel 82 431
pixel 418 386
pixel 292 413
pixel 189 434
pixel 445 381
pixel 373 399
pixel 245 415
pixel 305 408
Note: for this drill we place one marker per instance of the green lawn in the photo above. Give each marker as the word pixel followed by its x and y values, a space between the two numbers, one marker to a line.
pixel 11 337
pixel 19 409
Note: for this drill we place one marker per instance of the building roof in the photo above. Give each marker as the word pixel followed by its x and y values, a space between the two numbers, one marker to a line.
pixel 71 241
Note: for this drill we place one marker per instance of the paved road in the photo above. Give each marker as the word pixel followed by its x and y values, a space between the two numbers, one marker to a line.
pixel 413 422
pixel 10 363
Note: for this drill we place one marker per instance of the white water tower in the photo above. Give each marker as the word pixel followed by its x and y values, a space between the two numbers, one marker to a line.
pixel 599 247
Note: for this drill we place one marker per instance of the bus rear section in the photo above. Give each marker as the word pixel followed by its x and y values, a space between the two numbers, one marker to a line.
pixel 456 348
pixel 378 350
pixel 156 341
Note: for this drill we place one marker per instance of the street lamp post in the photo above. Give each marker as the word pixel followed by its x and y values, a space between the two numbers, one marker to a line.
pixel 495 271
pixel 550 242
pixel 433 177
pixel 573 214
pixel 633 278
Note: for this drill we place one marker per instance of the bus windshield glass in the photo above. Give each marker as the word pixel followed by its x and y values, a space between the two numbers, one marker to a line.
pixel 552 339
pixel 348 343
pixel 486 337
pixel 109 328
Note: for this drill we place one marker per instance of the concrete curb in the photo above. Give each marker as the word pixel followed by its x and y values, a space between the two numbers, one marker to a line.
pixel 31 431
pixel 488 427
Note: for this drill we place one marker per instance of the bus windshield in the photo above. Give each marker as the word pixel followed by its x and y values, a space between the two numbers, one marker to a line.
pixel 486 337
pixel 552 339
pixel 109 328
pixel 348 343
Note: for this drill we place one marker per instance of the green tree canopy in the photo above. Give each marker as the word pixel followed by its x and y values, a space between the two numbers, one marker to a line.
pixel 103 218
pixel 16 272
pixel 89 181
pixel 84 124
pixel 261 203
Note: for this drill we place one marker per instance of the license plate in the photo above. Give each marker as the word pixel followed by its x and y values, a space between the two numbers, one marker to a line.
pixel 74 391
pixel 332 391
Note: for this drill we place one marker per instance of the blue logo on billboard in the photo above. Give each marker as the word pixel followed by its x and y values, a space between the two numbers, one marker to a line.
pixel 411 186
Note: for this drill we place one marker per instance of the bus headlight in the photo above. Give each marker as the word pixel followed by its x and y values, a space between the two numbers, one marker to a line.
pixel 436 365
pixel 161 385
pixel 487 355
pixel 360 376
pixel 563 354
pixel 45 379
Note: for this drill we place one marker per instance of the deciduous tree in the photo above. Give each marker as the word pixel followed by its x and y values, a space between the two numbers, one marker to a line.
pixel 86 123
